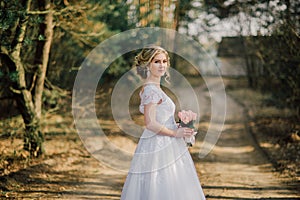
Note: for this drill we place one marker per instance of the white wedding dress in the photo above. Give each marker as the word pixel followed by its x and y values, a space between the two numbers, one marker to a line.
pixel 162 167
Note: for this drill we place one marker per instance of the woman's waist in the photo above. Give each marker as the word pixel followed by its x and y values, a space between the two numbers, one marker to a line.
pixel 169 123
pixel 149 133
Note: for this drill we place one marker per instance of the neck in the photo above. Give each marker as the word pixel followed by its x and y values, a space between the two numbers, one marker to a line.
pixel 155 80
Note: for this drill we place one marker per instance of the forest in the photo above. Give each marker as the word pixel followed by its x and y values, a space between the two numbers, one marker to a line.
pixel 43 44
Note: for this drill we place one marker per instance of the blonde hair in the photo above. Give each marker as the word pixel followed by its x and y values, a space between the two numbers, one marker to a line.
pixel 144 58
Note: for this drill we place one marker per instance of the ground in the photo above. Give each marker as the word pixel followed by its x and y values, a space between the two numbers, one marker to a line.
pixel 236 168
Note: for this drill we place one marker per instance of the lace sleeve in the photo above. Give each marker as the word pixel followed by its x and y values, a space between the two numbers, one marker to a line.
pixel 149 95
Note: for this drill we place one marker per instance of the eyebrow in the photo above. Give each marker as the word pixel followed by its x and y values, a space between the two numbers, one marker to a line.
pixel 158 59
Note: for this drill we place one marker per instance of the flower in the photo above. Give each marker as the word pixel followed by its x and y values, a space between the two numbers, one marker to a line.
pixel 187 119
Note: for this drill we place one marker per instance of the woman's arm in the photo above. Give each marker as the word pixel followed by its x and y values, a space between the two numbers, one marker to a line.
pixel 153 125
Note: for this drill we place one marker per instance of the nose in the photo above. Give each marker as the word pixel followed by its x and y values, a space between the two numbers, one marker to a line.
pixel 162 64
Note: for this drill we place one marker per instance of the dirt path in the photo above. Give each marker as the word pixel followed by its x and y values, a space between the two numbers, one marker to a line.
pixel 235 169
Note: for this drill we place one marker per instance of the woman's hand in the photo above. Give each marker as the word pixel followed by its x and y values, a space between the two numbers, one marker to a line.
pixel 184 132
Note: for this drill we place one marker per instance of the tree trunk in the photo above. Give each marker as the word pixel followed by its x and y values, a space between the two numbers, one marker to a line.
pixel 33 139
pixel 249 66
pixel 162 10
pixel 176 16
pixel 42 56
pixel 175 27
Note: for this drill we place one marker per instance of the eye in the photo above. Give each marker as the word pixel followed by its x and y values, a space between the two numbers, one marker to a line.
pixel 165 61
pixel 157 61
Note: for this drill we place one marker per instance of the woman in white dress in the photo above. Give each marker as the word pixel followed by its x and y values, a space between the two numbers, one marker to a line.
pixel 162 167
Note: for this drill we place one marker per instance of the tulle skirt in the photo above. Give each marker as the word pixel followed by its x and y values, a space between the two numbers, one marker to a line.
pixel 162 169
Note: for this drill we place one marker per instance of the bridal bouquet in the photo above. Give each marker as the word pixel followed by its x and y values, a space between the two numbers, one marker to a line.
pixel 187 119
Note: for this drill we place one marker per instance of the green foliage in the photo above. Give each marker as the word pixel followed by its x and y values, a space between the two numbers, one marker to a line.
pixel 188 12
pixel 74 40
pixel 114 15
pixel 27 42
pixel 6 19
pixel 281 55
pixel 118 67
pixel 41 38
pixel 13 76
pixel 35 20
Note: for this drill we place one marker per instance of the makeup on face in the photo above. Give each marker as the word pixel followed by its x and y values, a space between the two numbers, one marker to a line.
pixel 159 65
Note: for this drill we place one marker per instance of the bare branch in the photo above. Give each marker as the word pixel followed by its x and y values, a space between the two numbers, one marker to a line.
pixel 15 90
pixel 33 82
pixel 38 12
pixel 79 37
pixel 58 12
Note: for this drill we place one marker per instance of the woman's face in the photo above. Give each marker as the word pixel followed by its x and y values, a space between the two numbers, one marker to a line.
pixel 158 65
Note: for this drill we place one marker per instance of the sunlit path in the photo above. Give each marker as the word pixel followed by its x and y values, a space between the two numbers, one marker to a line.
pixel 236 168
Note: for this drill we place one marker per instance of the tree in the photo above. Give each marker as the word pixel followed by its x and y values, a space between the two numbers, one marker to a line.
pixel 272 50
pixel 42 54
pixel 27 31
pixel 28 94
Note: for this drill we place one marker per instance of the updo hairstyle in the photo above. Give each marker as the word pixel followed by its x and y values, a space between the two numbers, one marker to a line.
pixel 144 58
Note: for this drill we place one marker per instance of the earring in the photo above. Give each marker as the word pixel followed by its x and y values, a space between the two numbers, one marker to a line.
pixel 148 72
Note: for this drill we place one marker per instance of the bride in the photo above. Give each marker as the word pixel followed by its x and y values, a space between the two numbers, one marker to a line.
pixel 162 167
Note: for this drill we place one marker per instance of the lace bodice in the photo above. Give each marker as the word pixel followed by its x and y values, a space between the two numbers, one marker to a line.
pixel 165 107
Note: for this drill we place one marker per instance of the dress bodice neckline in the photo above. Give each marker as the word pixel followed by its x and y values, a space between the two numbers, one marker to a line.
pixel 155 85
